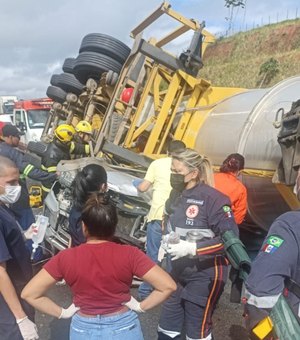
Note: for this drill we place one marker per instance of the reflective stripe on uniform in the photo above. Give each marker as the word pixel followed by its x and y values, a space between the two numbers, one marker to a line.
pixel 215 292
pixel 87 149
pixel 46 189
pixel 209 337
pixel 210 249
pixel 203 232
pixel 171 334
pixel 261 301
pixel 50 169
pixel 72 147
pixel 27 169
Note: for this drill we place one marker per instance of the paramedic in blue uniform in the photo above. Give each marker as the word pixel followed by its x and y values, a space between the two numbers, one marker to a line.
pixel 16 316
pixel 199 268
pixel 277 263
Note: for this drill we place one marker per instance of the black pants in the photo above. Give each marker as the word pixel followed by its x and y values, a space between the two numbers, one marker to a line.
pixel 191 306
pixel 9 330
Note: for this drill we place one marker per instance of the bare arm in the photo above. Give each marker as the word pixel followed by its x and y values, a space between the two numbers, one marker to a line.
pixel 163 285
pixel 144 186
pixel 9 293
pixel 34 294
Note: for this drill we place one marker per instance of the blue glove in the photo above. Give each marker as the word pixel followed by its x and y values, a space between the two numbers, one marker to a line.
pixel 136 182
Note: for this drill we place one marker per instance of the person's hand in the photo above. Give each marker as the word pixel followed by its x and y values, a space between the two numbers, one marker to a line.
pixel 181 249
pixel 27 329
pixel 136 182
pixel 32 230
pixel 134 305
pixel 161 253
pixel 67 313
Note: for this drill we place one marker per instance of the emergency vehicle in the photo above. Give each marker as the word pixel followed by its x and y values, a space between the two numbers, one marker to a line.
pixel 30 117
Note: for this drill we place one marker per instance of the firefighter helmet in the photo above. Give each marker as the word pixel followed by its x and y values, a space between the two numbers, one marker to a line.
pixel 64 133
pixel 84 126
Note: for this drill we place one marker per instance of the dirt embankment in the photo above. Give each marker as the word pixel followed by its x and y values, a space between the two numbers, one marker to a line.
pixel 236 61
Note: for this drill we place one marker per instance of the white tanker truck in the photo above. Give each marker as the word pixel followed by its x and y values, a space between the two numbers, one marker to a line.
pixel 255 124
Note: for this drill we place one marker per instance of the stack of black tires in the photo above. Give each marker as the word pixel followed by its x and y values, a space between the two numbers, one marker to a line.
pixel 98 53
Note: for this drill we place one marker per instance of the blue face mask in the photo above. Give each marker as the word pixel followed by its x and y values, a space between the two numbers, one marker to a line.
pixel 11 195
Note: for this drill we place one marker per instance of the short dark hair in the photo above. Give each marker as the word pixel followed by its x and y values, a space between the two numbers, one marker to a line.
pixel 6 163
pixel 234 162
pixel 100 216
pixel 176 146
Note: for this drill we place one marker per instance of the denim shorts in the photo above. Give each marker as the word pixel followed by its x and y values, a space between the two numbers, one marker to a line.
pixel 125 326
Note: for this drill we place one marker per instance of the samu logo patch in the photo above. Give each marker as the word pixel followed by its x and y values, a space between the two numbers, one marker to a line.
pixel 192 211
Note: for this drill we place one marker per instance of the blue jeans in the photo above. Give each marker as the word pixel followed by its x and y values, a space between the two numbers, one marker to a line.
pixel 154 234
pixel 125 326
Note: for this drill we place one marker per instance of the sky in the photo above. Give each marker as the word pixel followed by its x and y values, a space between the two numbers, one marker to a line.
pixel 36 36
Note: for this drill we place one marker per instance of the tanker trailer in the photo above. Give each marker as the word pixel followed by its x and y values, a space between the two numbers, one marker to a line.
pixel 249 123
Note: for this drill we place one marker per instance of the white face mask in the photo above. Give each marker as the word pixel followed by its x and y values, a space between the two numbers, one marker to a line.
pixel 11 195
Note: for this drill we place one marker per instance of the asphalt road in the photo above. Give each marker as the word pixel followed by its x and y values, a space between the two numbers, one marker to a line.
pixel 228 323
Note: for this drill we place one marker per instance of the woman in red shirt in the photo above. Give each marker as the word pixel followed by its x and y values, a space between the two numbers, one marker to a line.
pixel 99 273
pixel 227 182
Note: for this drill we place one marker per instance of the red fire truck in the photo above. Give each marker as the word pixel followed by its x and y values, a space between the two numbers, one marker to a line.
pixel 30 117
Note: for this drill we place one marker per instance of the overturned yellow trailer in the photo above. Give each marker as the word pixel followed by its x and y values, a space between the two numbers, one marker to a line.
pixel 168 99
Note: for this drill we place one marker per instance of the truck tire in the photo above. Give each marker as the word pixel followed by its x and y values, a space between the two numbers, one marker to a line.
pixel 115 122
pixel 68 65
pixel 105 44
pixel 111 78
pixel 56 93
pixel 38 148
pixel 69 83
pixel 92 65
pixel 54 79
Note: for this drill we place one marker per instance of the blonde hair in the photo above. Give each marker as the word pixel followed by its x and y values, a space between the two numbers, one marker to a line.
pixel 192 160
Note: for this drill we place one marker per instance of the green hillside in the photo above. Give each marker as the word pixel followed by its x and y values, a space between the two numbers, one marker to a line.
pixel 236 61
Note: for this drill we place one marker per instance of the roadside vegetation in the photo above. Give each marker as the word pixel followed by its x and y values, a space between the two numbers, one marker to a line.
pixel 257 58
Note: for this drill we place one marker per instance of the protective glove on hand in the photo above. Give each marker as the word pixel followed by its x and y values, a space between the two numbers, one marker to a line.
pixel 27 329
pixel 32 230
pixel 161 253
pixel 67 313
pixel 181 249
pixel 134 305
pixel 136 182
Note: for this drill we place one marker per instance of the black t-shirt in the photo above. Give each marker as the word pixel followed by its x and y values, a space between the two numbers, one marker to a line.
pixel 75 227
pixel 13 250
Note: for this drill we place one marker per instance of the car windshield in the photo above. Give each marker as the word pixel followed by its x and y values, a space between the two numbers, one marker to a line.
pixel 37 118
pixel 8 108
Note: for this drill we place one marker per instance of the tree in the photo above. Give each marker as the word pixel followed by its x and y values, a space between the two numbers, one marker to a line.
pixel 268 70
pixel 231 5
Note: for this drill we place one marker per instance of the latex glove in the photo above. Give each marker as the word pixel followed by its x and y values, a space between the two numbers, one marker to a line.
pixel 134 305
pixel 68 312
pixel 161 252
pixel 136 182
pixel 32 230
pixel 27 329
pixel 181 249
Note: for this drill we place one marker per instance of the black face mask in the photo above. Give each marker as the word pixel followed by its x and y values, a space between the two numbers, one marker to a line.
pixel 177 182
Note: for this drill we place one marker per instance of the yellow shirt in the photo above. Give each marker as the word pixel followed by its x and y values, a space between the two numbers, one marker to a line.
pixel 158 174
